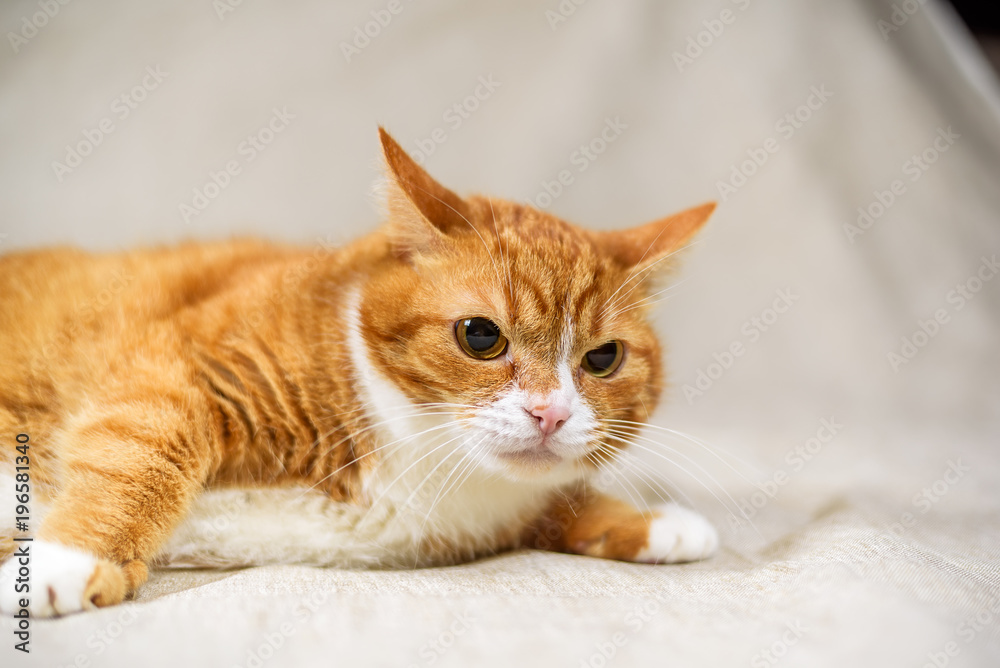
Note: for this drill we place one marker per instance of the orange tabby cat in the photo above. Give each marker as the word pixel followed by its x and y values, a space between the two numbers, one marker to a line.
pixel 436 390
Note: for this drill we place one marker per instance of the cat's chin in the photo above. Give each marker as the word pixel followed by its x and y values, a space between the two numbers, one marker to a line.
pixel 534 465
pixel 532 458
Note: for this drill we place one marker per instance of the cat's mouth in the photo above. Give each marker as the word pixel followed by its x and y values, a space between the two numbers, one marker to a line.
pixel 530 457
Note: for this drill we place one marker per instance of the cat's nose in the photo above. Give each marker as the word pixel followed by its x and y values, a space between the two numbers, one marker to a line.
pixel 550 416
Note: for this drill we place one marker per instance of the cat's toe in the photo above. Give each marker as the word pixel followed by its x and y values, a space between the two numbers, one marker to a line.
pixel 57 580
pixel 678 534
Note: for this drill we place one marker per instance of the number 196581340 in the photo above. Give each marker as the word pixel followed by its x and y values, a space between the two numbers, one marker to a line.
pixel 22 489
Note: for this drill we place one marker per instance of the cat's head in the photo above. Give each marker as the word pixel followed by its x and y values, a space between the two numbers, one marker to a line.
pixel 530 331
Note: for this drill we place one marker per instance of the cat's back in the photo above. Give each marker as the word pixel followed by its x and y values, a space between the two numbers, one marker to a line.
pixel 37 286
pixel 55 302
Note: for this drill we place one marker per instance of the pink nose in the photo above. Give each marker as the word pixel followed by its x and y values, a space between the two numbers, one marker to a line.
pixel 550 417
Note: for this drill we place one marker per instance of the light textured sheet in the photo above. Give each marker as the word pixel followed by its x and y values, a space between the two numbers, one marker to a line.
pixel 871 483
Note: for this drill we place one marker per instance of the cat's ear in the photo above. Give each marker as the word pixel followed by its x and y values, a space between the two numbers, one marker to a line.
pixel 422 211
pixel 647 246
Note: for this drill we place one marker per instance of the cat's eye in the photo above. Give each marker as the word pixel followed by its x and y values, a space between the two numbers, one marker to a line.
pixel 603 361
pixel 480 338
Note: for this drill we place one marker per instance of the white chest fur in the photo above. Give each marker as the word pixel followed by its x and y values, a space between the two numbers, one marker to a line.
pixel 426 485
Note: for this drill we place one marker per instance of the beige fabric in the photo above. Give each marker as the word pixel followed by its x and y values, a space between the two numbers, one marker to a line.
pixel 822 577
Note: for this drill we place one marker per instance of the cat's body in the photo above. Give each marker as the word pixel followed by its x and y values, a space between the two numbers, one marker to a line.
pixel 436 390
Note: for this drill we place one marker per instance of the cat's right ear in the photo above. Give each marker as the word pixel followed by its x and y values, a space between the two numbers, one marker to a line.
pixel 422 212
pixel 645 248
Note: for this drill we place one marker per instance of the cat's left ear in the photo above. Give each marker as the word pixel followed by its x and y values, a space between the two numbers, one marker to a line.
pixel 649 245
pixel 422 211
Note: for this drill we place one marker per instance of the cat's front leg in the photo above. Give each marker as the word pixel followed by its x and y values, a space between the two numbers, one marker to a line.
pixel 590 523
pixel 58 579
pixel 128 473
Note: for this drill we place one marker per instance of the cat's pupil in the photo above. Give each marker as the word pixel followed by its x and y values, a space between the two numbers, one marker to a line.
pixel 603 360
pixel 603 357
pixel 481 334
pixel 480 338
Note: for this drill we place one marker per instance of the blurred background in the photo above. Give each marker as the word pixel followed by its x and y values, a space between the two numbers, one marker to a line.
pixel 119 121
pixel 854 148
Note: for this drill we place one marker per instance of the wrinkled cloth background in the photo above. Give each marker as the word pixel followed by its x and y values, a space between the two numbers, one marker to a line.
pixel 870 482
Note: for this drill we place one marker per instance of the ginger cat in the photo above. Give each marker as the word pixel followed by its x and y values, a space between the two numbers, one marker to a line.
pixel 437 390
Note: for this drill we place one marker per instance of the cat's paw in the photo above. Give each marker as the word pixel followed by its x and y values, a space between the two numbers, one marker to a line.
pixel 678 534
pixel 60 580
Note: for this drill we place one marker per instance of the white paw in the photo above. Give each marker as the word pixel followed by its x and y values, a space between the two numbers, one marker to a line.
pixel 52 578
pixel 678 534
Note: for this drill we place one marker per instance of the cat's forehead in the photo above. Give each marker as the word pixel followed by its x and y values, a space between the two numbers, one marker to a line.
pixel 533 241
pixel 549 281
pixel 538 229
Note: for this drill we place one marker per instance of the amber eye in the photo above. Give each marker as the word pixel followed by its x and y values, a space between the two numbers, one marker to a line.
pixel 603 361
pixel 480 338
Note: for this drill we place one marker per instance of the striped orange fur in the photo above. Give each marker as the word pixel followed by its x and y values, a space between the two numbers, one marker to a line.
pixel 145 378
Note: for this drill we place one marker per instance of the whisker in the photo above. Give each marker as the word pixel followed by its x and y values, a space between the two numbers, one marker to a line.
pixel 648 474
pixel 664 445
pixel 692 476
pixel 639 437
pixel 633 499
pixel 444 491
pixel 406 504
pixel 424 456
pixel 474 228
pixel 420 533
pixel 620 481
pixel 645 301
pixel 620 305
pixel 378 448
pixel 504 260
pixel 635 461
pixel 709 449
pixel 646 273
pixel 632 271
pixel 415 412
